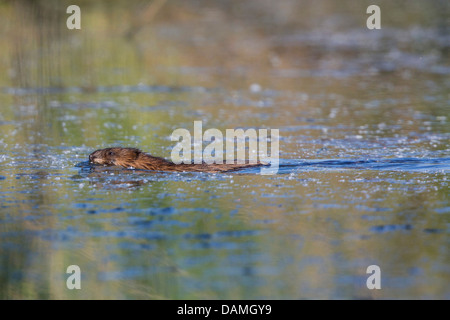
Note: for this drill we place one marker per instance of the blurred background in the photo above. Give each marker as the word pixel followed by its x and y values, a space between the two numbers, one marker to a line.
pixel 137 70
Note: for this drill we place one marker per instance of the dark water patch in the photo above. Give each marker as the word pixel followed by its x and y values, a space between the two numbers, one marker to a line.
pixel 215 244
pixel 143 223
pixel 433 230
pixel 265 221
pixel 328 205
pixel 6 245
pixel 398 164
pixel 201 236
pixel 128 273
pixel 247 271
pixel 391 228
pixel 239 233
pixel 135 272
pixel 147 235
pixel 372 217
pixel 166 211
pixel 132 246
pixel 224 234
pixel 375 209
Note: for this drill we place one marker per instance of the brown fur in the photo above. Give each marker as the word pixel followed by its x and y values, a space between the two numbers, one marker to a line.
pixel 135 158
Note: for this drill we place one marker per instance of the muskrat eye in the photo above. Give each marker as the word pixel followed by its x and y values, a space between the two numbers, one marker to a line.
pixel 110 153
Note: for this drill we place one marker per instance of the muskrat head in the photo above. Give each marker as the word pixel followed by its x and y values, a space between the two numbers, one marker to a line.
pixel 115 156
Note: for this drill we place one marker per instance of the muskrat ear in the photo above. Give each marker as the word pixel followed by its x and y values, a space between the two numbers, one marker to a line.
pixel 136 153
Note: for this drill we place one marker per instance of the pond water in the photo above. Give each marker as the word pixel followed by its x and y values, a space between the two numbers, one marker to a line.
pixel 364 168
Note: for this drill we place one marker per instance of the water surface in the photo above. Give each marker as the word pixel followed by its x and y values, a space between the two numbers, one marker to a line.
pixel 364 150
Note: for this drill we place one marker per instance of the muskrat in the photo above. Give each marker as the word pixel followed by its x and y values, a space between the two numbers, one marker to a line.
pixel 136 159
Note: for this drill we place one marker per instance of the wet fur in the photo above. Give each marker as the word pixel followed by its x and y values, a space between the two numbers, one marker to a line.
pixel 135 158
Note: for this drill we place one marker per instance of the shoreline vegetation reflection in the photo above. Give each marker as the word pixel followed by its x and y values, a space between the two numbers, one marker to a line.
pixel 364 149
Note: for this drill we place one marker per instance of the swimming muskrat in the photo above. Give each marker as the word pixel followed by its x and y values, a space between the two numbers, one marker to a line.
pixel 136 159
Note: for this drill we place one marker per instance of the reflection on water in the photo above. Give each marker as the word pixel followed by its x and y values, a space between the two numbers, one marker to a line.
pixel 363 119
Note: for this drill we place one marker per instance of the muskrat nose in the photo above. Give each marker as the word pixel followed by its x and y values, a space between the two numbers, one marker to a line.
pixel 91 158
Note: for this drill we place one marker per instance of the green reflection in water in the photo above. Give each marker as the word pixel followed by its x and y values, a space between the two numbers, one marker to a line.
pixel 334 90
